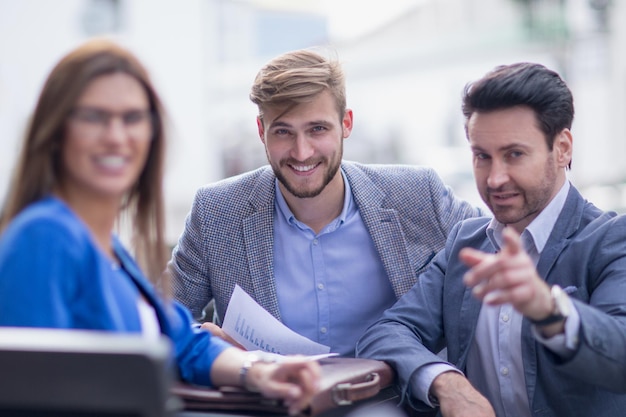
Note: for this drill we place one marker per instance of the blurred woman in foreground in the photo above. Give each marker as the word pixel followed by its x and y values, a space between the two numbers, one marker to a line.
pixel 94 154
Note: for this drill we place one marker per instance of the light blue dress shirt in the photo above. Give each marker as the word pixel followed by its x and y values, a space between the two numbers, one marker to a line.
pixel 332 285
pixel 494 364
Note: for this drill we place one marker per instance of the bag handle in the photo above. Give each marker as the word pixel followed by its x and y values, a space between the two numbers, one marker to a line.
pixel 346 393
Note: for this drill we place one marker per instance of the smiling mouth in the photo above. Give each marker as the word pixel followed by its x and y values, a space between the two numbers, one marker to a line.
pixel 111 162
pixel 303 168
pixel 503 197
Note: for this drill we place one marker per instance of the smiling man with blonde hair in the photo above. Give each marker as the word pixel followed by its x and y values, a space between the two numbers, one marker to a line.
pixel 325 245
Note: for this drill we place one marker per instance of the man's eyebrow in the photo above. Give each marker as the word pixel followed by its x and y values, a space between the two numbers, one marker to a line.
pixel 502 148
pixel 320 122
pixel 279 123
pixel 514 145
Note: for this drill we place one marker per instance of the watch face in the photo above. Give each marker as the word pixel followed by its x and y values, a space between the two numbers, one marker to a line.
pixel 561 301
pixel 561 307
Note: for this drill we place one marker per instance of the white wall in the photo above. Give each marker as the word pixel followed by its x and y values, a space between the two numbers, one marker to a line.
pixel 171 38
pixel 33 35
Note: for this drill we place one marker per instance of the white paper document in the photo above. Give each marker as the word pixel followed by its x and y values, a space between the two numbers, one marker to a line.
pixel 256 329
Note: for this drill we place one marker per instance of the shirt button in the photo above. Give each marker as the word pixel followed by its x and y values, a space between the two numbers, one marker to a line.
pixel 597 342
pixel 323 330
pixel 315 242
pixel 320 286
pixel 504 371
pixel 505 318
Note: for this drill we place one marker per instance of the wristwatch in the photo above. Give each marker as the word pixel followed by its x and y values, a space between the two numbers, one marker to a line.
pixel 251 359
pixel 561 310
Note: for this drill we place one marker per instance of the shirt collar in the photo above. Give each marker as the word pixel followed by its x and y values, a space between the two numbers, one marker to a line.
pixel 538 231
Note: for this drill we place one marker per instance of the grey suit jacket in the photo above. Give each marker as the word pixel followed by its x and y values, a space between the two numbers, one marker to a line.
pixel 228 236
pixel 585 255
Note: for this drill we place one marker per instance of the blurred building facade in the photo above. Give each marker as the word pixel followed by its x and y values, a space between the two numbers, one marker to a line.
pixel 405 80
pixel 404 77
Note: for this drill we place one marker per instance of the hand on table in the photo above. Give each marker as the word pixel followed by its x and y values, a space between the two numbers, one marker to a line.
pixel 458 398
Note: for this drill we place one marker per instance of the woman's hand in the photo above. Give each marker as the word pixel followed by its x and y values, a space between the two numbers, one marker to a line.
pixel 294 379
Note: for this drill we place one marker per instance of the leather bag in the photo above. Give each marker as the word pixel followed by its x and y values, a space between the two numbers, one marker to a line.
pixel 345 382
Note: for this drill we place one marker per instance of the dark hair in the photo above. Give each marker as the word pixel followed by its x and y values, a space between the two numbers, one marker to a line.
pixel 39 165
pixel 523 84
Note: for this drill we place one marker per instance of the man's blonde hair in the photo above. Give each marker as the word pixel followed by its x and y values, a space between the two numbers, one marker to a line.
pixel 297 77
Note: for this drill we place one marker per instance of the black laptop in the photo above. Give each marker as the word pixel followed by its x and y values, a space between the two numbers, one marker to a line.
pixel 71 373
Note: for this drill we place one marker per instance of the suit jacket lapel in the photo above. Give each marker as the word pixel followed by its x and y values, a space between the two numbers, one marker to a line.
pixel 566 225
pixel 470 310
pixel 143 285
pixel 471 306
pixel 258 236
pixel 383 225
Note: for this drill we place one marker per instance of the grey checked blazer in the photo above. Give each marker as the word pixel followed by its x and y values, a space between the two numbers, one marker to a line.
pixel 228 236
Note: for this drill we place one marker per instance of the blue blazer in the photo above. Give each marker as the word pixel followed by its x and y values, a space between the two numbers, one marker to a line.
pixel 585 254
pixel 53 275
pixel 229 233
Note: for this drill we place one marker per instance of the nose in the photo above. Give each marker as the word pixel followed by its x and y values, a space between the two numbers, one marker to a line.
pixel 114 130
pixel 302 148
pixel 498 175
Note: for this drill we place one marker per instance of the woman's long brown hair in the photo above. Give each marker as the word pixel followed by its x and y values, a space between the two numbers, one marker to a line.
pixel 38 168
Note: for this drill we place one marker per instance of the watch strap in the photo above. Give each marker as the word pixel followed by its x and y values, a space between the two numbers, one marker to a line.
pixel 243 372
pixel 559 313
pixel 552 318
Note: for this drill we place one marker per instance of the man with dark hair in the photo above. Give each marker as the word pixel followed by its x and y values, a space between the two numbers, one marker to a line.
pixel 530 304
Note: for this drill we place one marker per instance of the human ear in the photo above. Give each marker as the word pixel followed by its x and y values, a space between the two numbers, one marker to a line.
pixel 563 146
pixel 347 121
pixel 260 129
